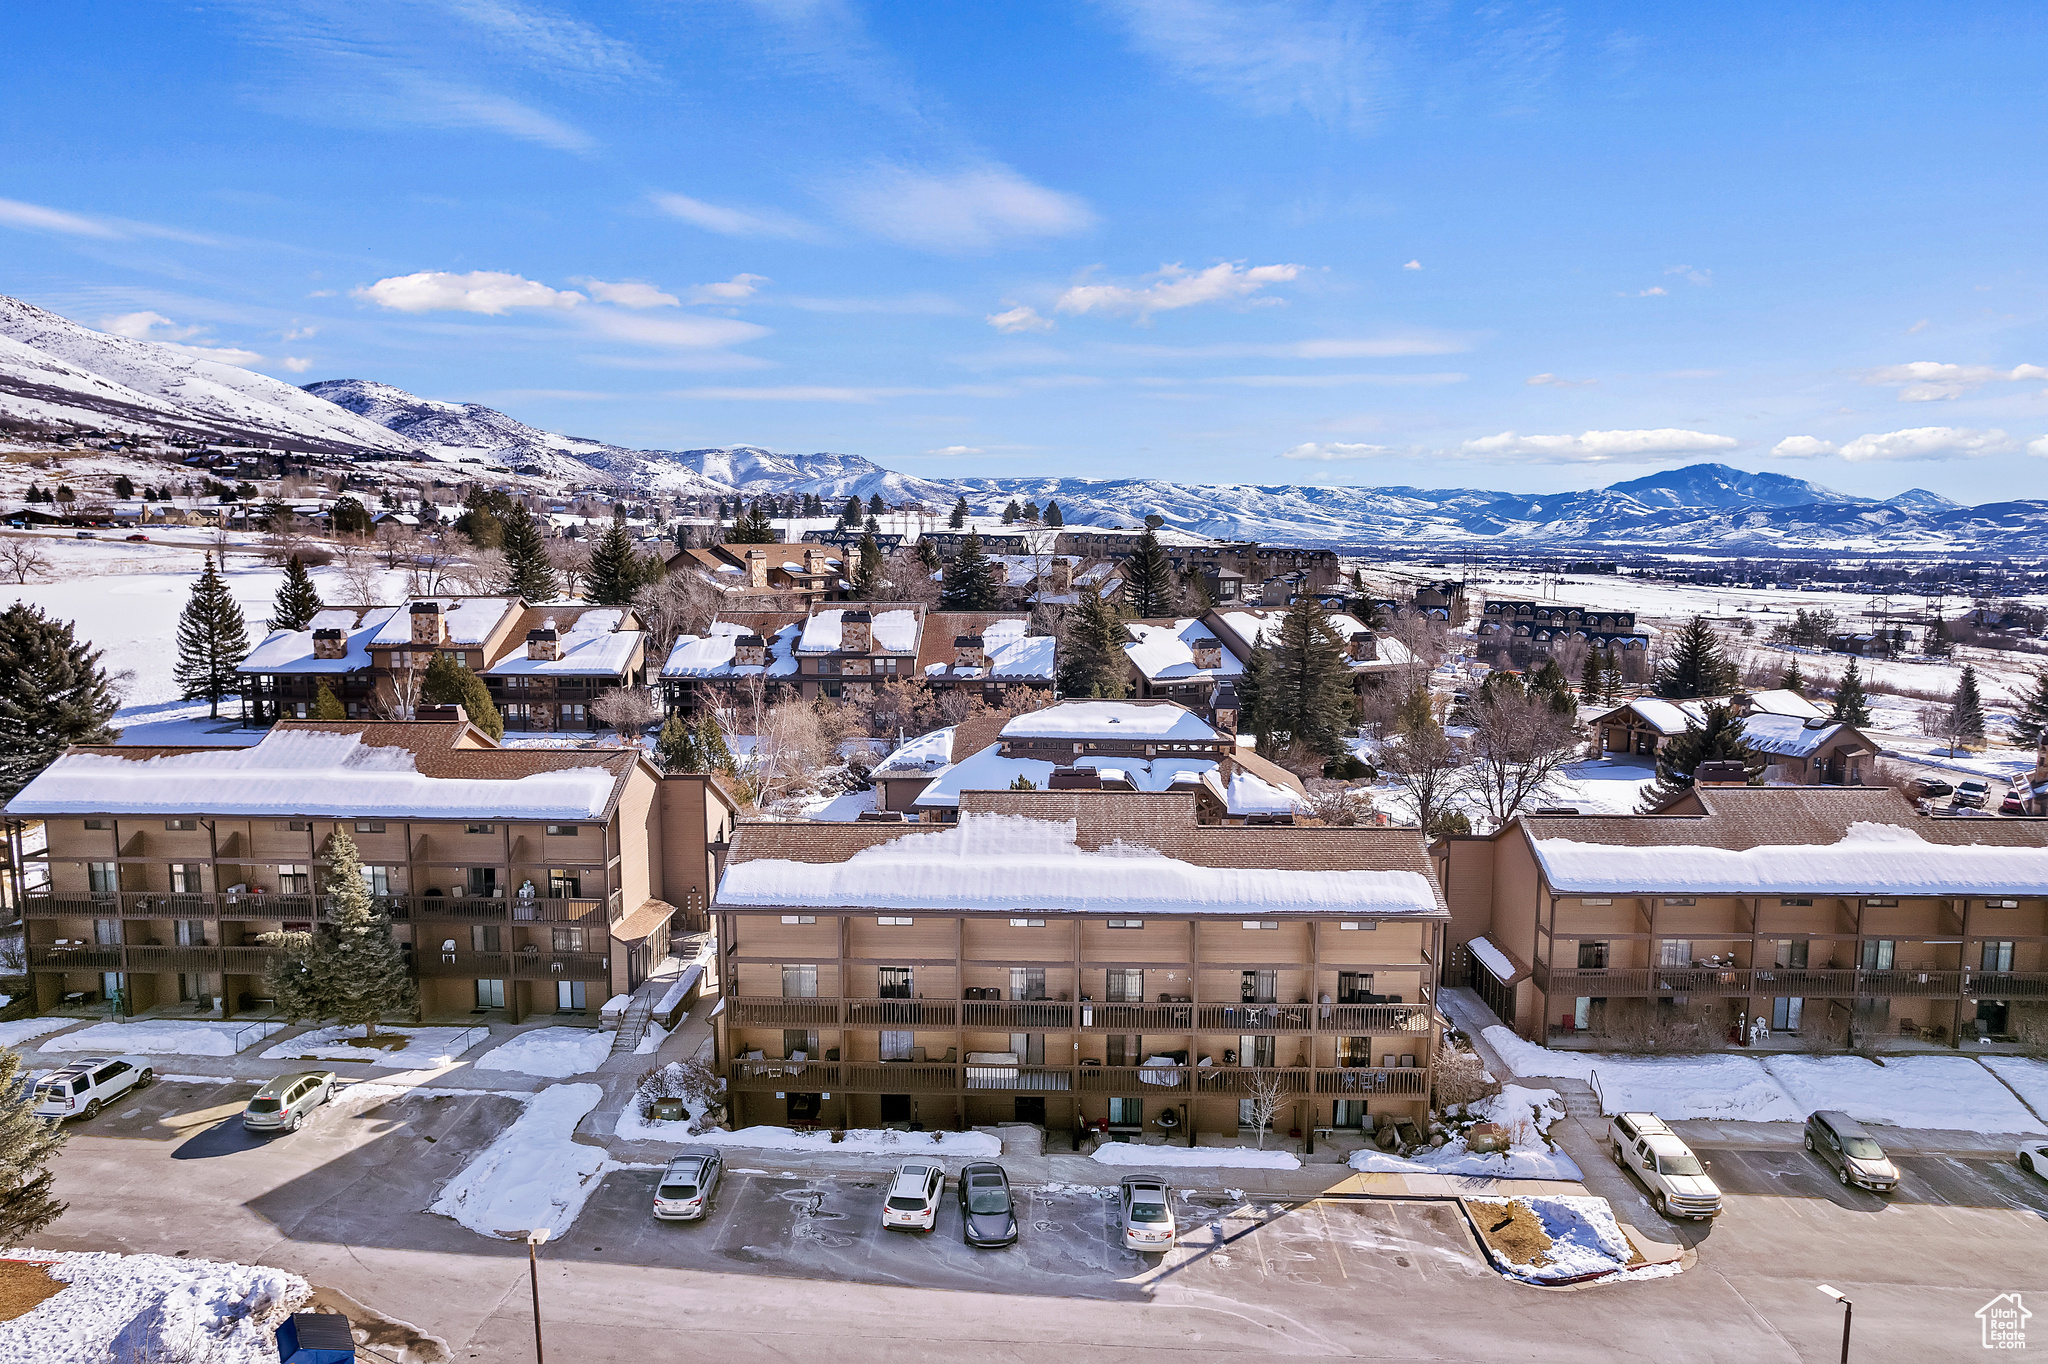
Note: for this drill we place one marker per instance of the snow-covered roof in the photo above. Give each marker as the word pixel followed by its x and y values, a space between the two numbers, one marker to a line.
pixel 711 654
pixel 1011 654
pixel 893 632
pixel 1166 653
pixel 988 770
pixel 1155 722
pixel 1262 629
pixel 291 651
pixel 1493 959
pixel 1779 701
pixel 319 773
pixel 1675 717
pixel 593 646
pixel 1786 735
pixel 469 620
pixel 1248 794
pixel 922 756
pixel 992 861
pixel 1870 859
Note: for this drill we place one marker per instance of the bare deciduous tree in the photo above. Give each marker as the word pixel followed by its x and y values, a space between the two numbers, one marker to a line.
pixel 479 572
pixel 398 698
pixel 1460 1078
pixel 358 579
pixel 1265 1094
pixel 629 710
pixel 1426 763
pixel 680 603
pixel 23 559
pixel 791 747
pixel 1520 746
pixel 571 560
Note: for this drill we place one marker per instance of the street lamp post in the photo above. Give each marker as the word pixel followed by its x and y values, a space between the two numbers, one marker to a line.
pixel 535 1239
pixel 1848 1311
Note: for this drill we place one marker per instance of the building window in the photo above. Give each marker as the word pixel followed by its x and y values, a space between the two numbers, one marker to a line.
pixel 477 828
pixel 799 918
pixel 564 884
pixel 181 825
pixel 106 932
pixel 485 938
pixel 894 921
pixel 1675 952
pixel 369 826
pixel 1680 900
pixel 377 880
pixel 1255 924
pixel 1596 900
pixel 799 982
pixel 102 878
pixel 799 1044
pixel 98 824
pixel 572 713
pixel 1027 982
pixel 1358 925
pixel 1027 923
pixel 1879 953
pixel 295 826
pixel 896 1045
pixel 1791 901
pixel 1592 956
pixel 2001 904
pixel 490 994
pixel 1785 1014
pixel 1997 956
pixel 568 939
pixel 1126 923
pixel 1793 953
pixel 563 830
pixel 191 932
pixel 185 879
pixel 1259 987
pixel 1126 1112
pixel 1124 986
pixel 1881 904
pixel 892 982
pixel 570 996
pixel 1354 987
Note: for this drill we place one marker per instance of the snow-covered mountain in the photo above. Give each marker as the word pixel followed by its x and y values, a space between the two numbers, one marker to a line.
pixel 52 370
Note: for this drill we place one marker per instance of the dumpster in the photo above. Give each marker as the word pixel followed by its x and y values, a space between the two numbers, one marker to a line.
pixel 316 1338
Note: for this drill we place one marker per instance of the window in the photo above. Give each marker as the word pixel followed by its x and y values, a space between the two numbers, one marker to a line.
pixel 1029 1047
pixel 573 713
pixel 477 828
pixel 1680 900
pixel 800 1042
pixel 1027 923
pixel 1675 952
pixel 1596 900
pixel 564 884
pixel 1354 1051
pixel 2001 904
pixel 106 932
pixel 564 830
pixel 484 937
pixel 1785 1014
pixel 1792 953
pixel 294 878
pixel 1126 1112
pixel 893 921
pixel 181 825
pixel 99 824
pixel 369 826
pixel 295 826
pixel 490 994
pixel 1126 923
pixel 1795 900
pixel 568 939
pixel 799 982
pixel 1881 904
pixel 1124 986
pixel 1027 982
pixel 1124 1049
pixel 570 996
pixel 191 933
pixel 1997 956
pixel 1255 924
pixel 1258 987
pixel 1592 956
pixel 1255 1051
pixel 896 1045
pixel 483 882
pixel 185 878
pixel 799 918
pixel 377 880
pixel 1355 925
pixel 1879 953
pixel 892 982
pixel 1354 987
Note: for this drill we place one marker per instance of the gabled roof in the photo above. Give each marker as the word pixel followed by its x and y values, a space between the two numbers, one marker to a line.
pixel 1164 651
pixel 893 629
pixel 291 651
pixel 1013 654
pixel 469 620
pixel 1136 721
pixel 711 654
pixel 594 641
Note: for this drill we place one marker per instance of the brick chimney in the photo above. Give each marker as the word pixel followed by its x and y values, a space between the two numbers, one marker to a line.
pixel 330 644
pixel 757 569
pixel 968 652
pixel 750 651
pixel 856 632
pixel 427 625
pixel 545 644
pixel 1208 653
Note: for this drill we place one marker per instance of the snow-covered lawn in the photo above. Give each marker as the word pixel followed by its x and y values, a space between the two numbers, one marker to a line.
pixel 1604 785
pixel 553 1052
pixel 152 1307
pixel 1729 1087
pixel 155 1037
pixel 1180 1157
pixel 22 1029
pixel 422 1047
pixel 2029 1078
pixel 533 1175
pixel 858 1141
pixel 1526 1114
pixel 1572 1236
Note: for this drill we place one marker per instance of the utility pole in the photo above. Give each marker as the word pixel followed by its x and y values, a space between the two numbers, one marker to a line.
pixel 537 1238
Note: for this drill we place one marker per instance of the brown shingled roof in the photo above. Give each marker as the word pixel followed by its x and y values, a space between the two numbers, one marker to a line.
pixel 1743 817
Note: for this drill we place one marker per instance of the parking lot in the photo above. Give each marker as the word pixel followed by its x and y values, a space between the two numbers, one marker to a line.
pixel 1946 1181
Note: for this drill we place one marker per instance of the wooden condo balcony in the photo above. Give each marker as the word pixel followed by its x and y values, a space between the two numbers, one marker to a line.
pixel 1348 1020
pixel 917 1077
pixel 534 965
pixel 153 904
pixel 1804 982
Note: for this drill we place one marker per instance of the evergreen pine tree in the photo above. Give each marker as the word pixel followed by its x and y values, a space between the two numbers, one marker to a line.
pixel 297 600
pixel 873 526
pixel 1092 662
pixel 970 579
pixel 928 555
pixel 1696 666
pixel 1311 699
pixel 867 574
pixel 1053 515
pixel 27 1146
pixel 751 529
pixel 448 683
pixel 212 640
pixel 352 970
pixel 1611 679
pixel 1148 579
pixel 875 504
pixel 711 749
pixel 958 521
pixel 1416 712
pixel 1718 739
pixel 614 573
pixel 124 487
pixel 1592 682
pixel 53 693
pixel 850 514
pixel 1940 643
pixel 2032 721
pixel 1012 512
pixel 675 748
pixel 326 705
pixel 1030 510
pixel 1794 680
pixel 1966 711
pixel 528 573
pixel 1851 706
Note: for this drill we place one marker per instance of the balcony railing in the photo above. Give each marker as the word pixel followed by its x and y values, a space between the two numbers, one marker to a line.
pixel 535 965
pixel 901 1013
pixel 90 957
pixel 1807 982
pixel 1017 1015
pixel 913 1077
pixel 1115 1017
pixel 245 905
pixel 1350 1020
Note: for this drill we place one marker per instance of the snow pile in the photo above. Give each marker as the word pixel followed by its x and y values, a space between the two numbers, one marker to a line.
pixel 154 1038
pixel 533 1175
pixel 422 1047
pixel 1007 862
pixel 22 1029
pixel 553 1052
pixel 1180 1157
pixel 651 1041
pixel 1952 1092
pixel 857 1141
pixel 1585 1240
pixel 1526 1114
pixel 153 1307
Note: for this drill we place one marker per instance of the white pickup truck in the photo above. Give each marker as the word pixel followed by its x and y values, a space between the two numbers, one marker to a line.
pixel 1677 1183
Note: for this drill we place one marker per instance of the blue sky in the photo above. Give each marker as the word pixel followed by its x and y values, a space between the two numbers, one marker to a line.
pixel 1496 245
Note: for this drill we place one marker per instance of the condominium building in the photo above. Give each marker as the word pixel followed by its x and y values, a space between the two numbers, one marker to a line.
pixel 1077 957
pixel 523 880
pixel 1838 911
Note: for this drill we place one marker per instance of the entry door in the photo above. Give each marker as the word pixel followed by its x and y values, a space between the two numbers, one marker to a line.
pixel 1031 1109
pixel 570 995
pixel 490 994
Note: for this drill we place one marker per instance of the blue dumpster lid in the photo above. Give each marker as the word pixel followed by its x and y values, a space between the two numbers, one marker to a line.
pixel 316 1338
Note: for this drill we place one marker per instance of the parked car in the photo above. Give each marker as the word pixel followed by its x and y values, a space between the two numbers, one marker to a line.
pixel 85 535
pixel 282 1105
pixel 1971 791
pixel 1839 1140
pixel 2033 1157
pixel 138 539
pixel 913 1201
pixel 2012 804
pixel 1927 788
pixel 987 1216
pixel 688 1183
pixel 1673 1176
pixel 83 1088
pixel 1147 1207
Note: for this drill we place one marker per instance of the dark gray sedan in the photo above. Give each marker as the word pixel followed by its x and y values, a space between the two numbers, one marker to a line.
pixel 987 1216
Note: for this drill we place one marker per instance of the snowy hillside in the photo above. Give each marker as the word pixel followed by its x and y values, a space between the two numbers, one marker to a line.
pixel 57 365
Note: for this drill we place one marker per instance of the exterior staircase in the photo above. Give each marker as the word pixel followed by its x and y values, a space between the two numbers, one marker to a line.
pixel 633 1026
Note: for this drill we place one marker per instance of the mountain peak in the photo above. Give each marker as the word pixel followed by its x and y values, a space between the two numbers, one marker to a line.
pixel 1721 486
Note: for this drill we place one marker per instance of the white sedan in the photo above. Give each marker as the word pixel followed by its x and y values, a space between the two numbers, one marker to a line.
pixel 2033 1156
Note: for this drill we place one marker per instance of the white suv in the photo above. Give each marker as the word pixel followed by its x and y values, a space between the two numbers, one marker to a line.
pixel 1677 1182
pixel 913 1201
pixel 84 1087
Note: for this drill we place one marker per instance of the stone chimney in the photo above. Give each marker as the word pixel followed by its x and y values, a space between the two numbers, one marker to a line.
pixel 1363 647
pixel 1223 709
pixel 427 625
pixel 330 644
pixel 1062 575
pixel 968 652
pixel 750 651
pixel 816 559
pixel 856 632
pixel 544 645
pixel 1208 653
pixel 757 569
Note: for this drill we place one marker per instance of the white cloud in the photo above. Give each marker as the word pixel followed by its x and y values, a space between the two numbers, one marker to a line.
pixel 956 450
pixel 2038 447
pixel 147 326
pixel 1804 447
pixel 908 305
pixel 629 294
pixel 226 355
pixel 1022 318
pixel 299 333
pixel 1334 450
pixel 970 210
pixel 1654 291
pixel 1175 286
pixel 1334 380
pixel 491 292
pixel 1925 381
pixel 1552 381
pixel 734 222
pixel 1319 348
pixel 687 331
pixel 1274 58
pixel 1927 443
pixel 1700 277
pixel 1597 447
pixel 827 393
pixel 297 364
pixel 738 289
pixel 36 218
pixel 1413 265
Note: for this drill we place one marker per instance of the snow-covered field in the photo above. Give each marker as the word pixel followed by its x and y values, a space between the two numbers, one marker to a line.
pixel 152 1308
pixel 533 1175
pixel 1125 1153
pixel 154 1037
pixel 22 1029
pixel 423 1046
pixel 553 1052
